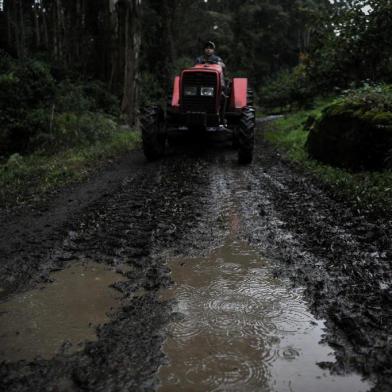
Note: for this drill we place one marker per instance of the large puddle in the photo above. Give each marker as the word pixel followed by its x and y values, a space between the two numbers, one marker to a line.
pixel 59 316
pixel 240 329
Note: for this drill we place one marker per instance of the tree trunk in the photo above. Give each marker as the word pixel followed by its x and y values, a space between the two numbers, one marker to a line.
pixel 78 28
pixel 118 12
pixel 16 18
pixel 37 27
pixel 22 31
pixel 168 54
pixel 59 29
pixel 132 31
pixel 9 27
pixel 46 33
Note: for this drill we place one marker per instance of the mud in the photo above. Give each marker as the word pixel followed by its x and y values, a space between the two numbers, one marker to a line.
pixel 135 216
pixel 240 328
pixel 61 315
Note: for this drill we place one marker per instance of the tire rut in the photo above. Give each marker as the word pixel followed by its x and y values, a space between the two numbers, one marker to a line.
pixel 178 207
pixel 162 210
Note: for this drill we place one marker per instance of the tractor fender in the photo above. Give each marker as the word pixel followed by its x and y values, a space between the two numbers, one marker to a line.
pixel 176 93
pixel 239 92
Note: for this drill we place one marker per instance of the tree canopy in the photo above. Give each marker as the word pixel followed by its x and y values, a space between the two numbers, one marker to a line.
pixel 136 46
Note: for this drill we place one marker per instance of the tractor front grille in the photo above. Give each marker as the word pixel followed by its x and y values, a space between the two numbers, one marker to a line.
pixel 198 103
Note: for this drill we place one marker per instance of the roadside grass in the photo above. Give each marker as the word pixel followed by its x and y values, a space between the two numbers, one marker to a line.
pixel 24 178
pixel 367 191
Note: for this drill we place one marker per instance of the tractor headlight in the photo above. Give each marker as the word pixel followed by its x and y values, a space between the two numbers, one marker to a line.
pixel 207 91
pixel 190 91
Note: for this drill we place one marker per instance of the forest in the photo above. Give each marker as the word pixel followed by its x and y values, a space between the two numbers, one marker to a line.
pixel 291 50
pixel 72 72
pixel 232 235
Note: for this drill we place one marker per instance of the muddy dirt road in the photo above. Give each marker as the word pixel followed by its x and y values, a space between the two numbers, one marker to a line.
pixel 195 274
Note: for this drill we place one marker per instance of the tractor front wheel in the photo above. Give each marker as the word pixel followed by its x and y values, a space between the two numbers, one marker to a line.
pixel 153 132
pixel 246 135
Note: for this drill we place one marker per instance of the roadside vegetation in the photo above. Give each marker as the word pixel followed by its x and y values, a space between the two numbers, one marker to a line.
pixel 344 141
pixel 368 191
pixel 54 128
pixel 25 178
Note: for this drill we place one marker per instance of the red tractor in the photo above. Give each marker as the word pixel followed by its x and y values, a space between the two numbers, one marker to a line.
pixel 203 102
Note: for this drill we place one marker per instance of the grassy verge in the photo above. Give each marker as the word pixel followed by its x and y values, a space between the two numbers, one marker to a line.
pixel 26 178
pixel 367 191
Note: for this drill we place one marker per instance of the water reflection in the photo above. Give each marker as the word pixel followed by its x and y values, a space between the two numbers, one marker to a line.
pixel 240 329
pixel 39 322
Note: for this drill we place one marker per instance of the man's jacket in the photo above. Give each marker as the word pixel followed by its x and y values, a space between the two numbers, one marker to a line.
pixel 212 59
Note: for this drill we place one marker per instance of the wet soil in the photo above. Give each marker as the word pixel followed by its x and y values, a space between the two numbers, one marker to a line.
pixel 135 216
pixel 239 328
pixel 59 315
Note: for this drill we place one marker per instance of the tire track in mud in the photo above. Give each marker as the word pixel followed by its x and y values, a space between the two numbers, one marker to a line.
pixel 165 209
pixel 31 234
pixel 343 261
pixel 178 207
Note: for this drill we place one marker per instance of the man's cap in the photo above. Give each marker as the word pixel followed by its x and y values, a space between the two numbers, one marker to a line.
pixel 209 44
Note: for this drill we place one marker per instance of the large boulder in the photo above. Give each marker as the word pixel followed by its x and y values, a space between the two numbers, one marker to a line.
pixel 352 135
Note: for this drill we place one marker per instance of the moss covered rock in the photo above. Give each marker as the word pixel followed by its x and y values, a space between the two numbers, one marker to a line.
pixel 352 134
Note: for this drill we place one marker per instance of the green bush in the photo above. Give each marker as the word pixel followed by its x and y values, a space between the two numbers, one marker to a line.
pixel 88 96
pixel 71 129
pixel 286 89
pixel 70 97
pixel 102 100
pixel 368 190
pixel 38 113
pixel 157 89
pixel 25 88
pixel 150 90
pixel 182 63
pixel 374 98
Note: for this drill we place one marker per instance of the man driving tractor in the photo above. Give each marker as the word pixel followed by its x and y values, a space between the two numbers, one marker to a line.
pixel 209 56
pixel 202 103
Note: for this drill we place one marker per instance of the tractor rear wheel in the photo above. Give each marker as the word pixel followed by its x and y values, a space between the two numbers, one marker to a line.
pixel 246 135
pixel 153 132
pixel 250 97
